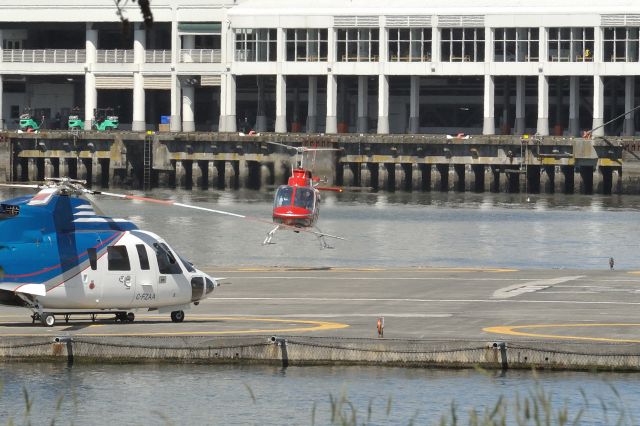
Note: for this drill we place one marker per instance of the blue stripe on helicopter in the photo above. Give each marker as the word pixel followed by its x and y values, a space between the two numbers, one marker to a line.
pixel 44 242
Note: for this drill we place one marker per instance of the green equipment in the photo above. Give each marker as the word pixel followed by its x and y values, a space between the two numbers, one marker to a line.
pixel 27 123
pixel 105 119
pixel 74 122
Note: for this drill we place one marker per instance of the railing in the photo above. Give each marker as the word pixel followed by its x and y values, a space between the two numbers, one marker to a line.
pixel 116 56
pixel 158 56
pixel 200 55
pixel 50 56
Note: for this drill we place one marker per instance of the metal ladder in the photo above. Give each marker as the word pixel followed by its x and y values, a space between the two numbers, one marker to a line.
pixel 146 177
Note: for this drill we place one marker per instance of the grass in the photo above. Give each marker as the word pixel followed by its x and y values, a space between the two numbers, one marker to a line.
pixel 535 408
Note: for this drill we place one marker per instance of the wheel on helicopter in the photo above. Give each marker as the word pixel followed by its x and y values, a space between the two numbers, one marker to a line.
pixel 48 319
pixel 177 316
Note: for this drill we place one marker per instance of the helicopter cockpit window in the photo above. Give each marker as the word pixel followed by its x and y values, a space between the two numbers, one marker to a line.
pixel 283 196
pixel 142 256
pixel 166 261
pixel 118 258
pixel 187 264
pixel 93 258
pixel 304 198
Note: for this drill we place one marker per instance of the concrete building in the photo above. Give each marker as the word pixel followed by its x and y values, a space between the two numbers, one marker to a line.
pixel 365 66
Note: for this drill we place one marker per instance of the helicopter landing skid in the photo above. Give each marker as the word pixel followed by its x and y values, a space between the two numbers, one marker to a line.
pixel 323 241
pixel 270 235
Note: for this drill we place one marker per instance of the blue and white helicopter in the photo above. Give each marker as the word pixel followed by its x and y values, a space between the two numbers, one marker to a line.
pixel 60 256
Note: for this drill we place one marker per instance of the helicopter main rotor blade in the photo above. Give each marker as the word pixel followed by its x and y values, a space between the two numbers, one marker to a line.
pixel 209 210
pixel 20 185
pixel 169 203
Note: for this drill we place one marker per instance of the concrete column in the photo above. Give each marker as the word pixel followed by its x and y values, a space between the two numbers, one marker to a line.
pixel 520 105
pixel 48 168
pixel 383 176
pixel 598 54
pixel 332 94
pixel 488 177
pixel 414 105
pixel 543 105
pixel 489 126
pixel 181 175
pixel 81 169
pixel 212 175
pixel 228 121
pixel 261 118
pixel 629 104
pixel 175 124
pixel 197 175
pixel 544 46
pixel 63 167
pixel 281 103
pixel 363 104
pixel 1 91
pixel 139 43
pixel 598 106
pixel 558 180
pixel 312 105
pixel 139 122
pixel 96 172
pixel 176 97
pixel 383 104
pixel 188 92
pixel 188 96
pixel 90 91
pixel 435 44
pixel 574 105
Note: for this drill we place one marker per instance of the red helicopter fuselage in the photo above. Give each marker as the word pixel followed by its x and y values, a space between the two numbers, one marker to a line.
pixel 298 202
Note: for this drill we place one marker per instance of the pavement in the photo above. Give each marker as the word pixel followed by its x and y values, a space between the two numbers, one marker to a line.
pixel 451 304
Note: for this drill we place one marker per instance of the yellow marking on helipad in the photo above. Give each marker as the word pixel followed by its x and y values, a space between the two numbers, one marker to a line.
pixel 513 331
pixel 314 326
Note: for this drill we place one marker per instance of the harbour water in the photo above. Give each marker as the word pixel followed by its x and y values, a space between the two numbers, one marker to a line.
pixel 403 230
pixel 232 395
pixel 381 230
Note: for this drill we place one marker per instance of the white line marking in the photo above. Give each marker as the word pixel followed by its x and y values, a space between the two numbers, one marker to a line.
pixel 371 315
pixel 530 287
pixel 391 278
pixel 327 299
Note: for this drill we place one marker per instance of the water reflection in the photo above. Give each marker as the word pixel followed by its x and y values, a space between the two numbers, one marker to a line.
pixel 400 229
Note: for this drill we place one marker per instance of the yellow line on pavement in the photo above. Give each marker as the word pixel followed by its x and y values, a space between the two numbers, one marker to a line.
pixel 300 325
pixel 514 331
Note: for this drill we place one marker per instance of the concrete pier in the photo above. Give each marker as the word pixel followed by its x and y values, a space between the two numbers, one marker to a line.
pixel 389 162
pixel 459 317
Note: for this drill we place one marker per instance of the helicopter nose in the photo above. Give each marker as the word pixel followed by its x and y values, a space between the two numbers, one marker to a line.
pixel 210 284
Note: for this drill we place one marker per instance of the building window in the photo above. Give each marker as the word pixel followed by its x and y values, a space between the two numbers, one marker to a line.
pixel 307 45
pixel 621 44
pixel 255 45
pixel 358 44
pixel 516 44
pixel 462 45
pixel 571 44
pixel 409 44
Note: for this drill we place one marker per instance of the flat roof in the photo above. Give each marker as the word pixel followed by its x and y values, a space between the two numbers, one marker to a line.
pixel 443 7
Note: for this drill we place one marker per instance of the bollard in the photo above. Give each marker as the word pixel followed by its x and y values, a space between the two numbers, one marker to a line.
pixel 380 326
pixel 282 342
pixel 68 340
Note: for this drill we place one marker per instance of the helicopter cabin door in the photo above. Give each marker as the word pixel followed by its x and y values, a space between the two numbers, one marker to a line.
pixel 119 286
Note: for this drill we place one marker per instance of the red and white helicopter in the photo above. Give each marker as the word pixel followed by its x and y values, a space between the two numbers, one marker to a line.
pixel 296 205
